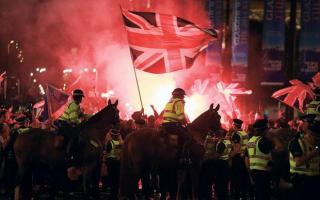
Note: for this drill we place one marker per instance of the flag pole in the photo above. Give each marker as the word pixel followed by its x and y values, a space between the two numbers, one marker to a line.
pixel 137 82
pixel 134 71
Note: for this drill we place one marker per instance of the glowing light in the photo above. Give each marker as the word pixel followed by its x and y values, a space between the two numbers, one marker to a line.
pixel 34 80
pixel 94 70
pixel 65 71
pixel 86 69
pixel 41 89
pixel 31 74
pixel 111 92
pixel 12 41
pixel 37 69
pixel 42 70
pixel 195 104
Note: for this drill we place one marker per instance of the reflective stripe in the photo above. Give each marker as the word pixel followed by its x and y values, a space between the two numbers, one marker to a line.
pixel 257 159
pixel 312 166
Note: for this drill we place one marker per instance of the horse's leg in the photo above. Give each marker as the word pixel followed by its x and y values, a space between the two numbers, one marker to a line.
pixel 129 174
pixel 25 181
pixel 95 181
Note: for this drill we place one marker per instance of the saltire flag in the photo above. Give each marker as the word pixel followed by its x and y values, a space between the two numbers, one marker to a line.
pixel 161 43
pixel 2 76
pixel 55 103
pixel 296 96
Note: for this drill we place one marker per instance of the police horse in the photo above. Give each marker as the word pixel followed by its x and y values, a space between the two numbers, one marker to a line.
pixel 38 146
pixel 149 151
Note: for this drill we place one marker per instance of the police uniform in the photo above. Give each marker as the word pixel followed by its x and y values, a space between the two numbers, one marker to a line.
pixel 207 171
pixel 240 181
pixel 72 113
pixel 222 169
pixel 174 116
pixel 174 111
pixel 113 150
pixel 259 153
pixel 306 177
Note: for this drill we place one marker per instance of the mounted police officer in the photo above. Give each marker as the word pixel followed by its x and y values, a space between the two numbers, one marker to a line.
pixel 73 113
pixel 304 156
pixel 239 175
pixel 69 124
pixel 259 154
pixel 174 117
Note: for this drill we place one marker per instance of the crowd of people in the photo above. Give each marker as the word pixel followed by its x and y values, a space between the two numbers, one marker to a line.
pixel 269 160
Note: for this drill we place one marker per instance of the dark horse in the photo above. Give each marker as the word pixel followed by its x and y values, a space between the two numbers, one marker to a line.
pixel 38 146
pixel 150 150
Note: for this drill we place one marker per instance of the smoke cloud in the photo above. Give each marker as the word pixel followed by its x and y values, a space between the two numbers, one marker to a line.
pixel 82 33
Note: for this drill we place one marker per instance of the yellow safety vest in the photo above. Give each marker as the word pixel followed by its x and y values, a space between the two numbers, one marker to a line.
pixel 227 150
pixel 174 111
pixel 115 150
pixel 257 159
pixel 23 130
pixel 243 139
pixel 309 169
pixel 209 147
pixel 72 113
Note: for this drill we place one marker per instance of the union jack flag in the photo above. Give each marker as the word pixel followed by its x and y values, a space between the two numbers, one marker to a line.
pixel 161 43
pixel 296 96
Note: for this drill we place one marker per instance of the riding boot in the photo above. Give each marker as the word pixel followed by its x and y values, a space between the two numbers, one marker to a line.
pixel 72 156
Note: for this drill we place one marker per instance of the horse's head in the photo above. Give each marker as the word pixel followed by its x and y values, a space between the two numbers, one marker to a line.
pixel 209 120
pixel 113 112
pixel 109 115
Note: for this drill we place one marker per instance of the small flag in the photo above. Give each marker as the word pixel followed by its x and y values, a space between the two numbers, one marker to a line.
pixel 55 103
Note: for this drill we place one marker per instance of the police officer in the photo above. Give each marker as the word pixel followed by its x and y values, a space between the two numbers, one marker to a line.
pixel 259 150
pixel 304 156
pixel 73 113
pixel 207 171
pixel 72 117
pixel 113 148
pixel 174 115
pixel 240 181
pixel 222 169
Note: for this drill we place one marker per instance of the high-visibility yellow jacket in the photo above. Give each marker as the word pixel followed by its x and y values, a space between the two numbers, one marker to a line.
pixel 257 159
pixel 174 111
pixel 243 139
pixel 115 152
pixel 72 113
pixel 227 150
pixel 209 146
pixel 309 169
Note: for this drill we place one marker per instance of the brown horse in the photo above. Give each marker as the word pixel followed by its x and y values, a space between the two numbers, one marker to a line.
pixel 38 146
pixel 148 150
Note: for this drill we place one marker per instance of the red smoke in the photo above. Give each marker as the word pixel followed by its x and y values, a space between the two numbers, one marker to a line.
pixel 78 34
